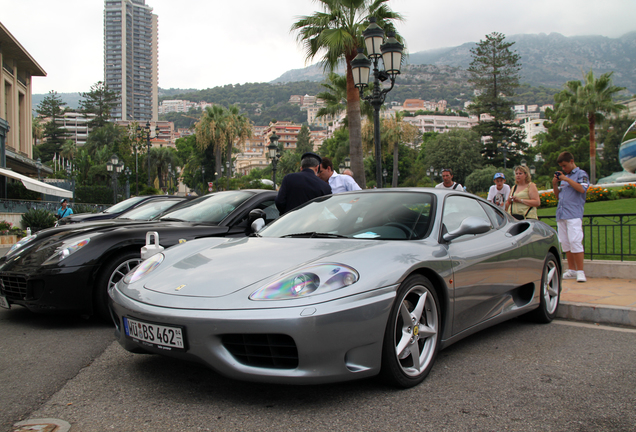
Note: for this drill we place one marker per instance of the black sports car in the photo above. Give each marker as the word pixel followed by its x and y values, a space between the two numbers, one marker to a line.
pixel 69 268
pixel 115 211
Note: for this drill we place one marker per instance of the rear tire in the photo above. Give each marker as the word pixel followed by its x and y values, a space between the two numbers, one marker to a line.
pixel 550 292
pixel 110 274
pixel 412 335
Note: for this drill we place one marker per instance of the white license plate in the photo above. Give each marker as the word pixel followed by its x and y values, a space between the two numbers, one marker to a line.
pixel 159 336
pixel 4 303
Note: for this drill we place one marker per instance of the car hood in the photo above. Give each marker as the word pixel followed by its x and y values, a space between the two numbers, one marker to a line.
pixel 220 273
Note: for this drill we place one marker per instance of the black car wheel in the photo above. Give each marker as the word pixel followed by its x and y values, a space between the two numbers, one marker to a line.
pixel 550 291
pixel 411 338
pixel 112 273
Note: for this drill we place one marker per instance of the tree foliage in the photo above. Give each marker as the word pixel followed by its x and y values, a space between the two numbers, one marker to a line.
pixel 456 149
pixel 494 74
pixel 100 100
pixel 51 107
pixel 335 35
pixel 588 101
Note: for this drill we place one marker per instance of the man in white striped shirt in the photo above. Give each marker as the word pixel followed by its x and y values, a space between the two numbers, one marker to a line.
pixel 339 183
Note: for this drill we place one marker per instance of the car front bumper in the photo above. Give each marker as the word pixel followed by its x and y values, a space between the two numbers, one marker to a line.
pixel 338 340
pixel 49 290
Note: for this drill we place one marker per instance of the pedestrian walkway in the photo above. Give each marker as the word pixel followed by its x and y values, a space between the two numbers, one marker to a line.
pixel 600 300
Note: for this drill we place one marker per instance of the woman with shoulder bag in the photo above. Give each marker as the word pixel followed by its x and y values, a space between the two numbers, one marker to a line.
pixel 524 196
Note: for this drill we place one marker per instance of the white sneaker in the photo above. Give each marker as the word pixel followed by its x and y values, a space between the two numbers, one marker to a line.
pixel 580 276
pixel 570 274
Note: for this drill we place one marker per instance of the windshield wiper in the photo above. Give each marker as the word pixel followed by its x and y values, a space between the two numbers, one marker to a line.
pixel 313 234
pixel 171 220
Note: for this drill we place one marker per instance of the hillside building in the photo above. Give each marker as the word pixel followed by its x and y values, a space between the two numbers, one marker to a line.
pixel 131 59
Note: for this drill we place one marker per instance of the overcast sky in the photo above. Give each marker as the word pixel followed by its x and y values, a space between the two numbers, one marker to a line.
pixel 209 43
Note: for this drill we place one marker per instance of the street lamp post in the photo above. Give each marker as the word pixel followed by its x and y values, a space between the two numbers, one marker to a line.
pixel 384 174
pixel 38 165
pixel 127 172
pixel 114 168
pixel 272 149
pixel 148 153
pixel 504 148
pixel 341 168
pixel 391 53
pixel 169 182
pixel 431 171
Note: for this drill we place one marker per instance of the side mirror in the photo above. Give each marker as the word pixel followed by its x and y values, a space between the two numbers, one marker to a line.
pixel 257 225
pixel 257 214
pixel 470 225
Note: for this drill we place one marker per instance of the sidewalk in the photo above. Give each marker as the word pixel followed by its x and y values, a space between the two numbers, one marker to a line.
pixel 601 299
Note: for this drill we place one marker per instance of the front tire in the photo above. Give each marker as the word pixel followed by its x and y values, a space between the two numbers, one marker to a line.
pixel 112 273
pixel 550 291
pixel 412 335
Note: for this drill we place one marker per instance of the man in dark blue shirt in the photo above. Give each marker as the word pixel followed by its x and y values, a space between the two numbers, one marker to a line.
pixel 298 188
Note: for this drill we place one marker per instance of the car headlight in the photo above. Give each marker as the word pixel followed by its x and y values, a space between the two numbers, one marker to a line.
pixel 21 244
pixel 312 280
pixel 144 268
pixel 66 250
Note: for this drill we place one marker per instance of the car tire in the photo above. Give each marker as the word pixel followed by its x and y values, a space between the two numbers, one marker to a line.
pixel 550 292
pixel 109 275
pixel 416 302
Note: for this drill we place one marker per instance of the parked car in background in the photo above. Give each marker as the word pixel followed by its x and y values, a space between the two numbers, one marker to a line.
pixel 347 286
pixel 114 211
pixel 68 269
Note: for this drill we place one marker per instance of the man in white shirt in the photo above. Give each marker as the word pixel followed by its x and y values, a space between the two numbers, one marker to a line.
pixel 498 193
pixel 338 183
pixel 447 181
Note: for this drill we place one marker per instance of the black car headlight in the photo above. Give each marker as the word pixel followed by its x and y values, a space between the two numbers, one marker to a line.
pixel 20 244
pixel 311 280
pixel 67 249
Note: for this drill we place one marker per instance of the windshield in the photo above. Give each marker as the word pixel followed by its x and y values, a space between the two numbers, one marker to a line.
pixel 362 215
pixel 151 209
pixel 125 205
pixel 210 208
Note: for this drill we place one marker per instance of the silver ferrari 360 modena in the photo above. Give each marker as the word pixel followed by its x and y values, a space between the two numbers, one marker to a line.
pixel 347 286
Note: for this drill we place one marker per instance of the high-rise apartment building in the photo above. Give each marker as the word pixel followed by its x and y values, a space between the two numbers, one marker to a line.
pixel 131 58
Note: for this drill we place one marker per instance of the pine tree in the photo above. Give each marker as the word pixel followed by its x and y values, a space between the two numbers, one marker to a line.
pixel 494 75
pixel 99 101
pixel 52 108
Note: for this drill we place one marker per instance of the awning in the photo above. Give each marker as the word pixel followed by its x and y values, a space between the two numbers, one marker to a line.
pixel 37 186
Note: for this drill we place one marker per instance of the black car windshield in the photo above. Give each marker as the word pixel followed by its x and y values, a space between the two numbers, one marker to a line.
pixel 151 209
pixel 125 205
pixel 210 208
pixel 399 215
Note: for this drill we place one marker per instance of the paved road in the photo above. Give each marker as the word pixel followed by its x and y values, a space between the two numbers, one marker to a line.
pixel 39 354
pixel 515 376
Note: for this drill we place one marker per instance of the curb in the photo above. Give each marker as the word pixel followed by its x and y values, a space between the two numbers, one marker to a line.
pixel 597 313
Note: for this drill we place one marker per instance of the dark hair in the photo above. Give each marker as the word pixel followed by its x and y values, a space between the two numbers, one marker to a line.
pixel 326 163
pixel 565 156
pixel 309 162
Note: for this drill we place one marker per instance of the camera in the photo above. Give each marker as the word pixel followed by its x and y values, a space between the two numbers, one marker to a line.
pixel 557 173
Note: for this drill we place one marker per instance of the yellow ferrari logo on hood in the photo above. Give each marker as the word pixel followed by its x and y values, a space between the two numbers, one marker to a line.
pixel 179 288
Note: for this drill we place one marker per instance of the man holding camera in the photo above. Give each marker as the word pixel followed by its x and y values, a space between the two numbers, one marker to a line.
pixel 570 187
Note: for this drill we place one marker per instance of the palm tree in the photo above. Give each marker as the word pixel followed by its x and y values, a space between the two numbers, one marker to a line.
pixel 210 131
pixel 395 132
pixel 238 128
pixel 336 34
pixel 589 101
pixel 159 159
